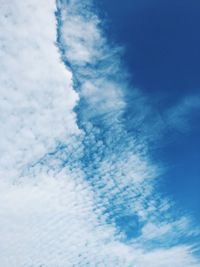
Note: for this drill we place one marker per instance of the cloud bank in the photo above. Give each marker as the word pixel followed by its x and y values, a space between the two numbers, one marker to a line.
pixel 76 188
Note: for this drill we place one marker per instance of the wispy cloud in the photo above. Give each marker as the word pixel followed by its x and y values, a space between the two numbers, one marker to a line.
pixel 180 116
pixel 77 189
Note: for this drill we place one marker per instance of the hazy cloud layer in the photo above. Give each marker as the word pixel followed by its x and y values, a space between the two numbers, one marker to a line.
pixel 181 115
pixel 76 188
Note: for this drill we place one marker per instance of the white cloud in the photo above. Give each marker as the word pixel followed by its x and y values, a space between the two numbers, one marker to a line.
pixel 66 177
pixel 92 60
pixel 37 97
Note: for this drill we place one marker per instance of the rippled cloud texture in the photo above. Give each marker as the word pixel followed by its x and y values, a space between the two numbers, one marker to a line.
pixel 76 188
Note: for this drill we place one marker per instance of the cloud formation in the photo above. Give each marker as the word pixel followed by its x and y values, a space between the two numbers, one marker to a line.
pixel 76 188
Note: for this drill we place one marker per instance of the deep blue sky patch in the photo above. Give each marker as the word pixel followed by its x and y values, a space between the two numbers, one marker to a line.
pixel 162 42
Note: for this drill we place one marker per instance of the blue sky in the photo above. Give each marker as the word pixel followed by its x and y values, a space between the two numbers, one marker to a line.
pixel 99 164
pixel 162 53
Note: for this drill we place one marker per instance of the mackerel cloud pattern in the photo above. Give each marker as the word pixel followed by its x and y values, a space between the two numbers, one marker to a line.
pixel 77 189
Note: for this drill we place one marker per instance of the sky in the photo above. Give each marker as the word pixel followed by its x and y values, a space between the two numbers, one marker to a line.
pixel 162 43
pixel 99 114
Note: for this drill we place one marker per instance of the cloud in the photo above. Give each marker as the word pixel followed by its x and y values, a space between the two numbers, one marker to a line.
pixel 180 116
pixel 95 65
pixel 36 108
pixel 76 188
